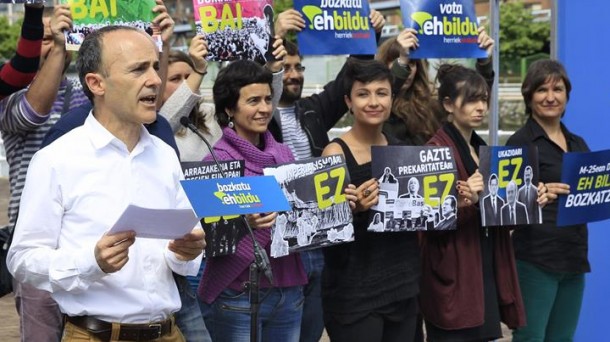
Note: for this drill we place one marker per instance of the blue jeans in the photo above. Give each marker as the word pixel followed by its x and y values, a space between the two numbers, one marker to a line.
pixel 312 324
pixel 188 318
pixel 279 316
pixel 194 281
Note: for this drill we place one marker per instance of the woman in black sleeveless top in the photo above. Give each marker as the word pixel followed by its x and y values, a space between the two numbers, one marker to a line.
pixel 369 286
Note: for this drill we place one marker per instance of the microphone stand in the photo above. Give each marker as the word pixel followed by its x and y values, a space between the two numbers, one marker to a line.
pixel 261 260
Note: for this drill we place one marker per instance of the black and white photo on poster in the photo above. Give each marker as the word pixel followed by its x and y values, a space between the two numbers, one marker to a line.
pixel 510 194
pixel 222 234
pixel 236 29
pixel 417 189
pixel 321 215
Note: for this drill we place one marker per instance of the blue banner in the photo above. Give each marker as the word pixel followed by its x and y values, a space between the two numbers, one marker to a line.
pixel 336 27
pixel 588 175
pixel 445 28
pixel 235 196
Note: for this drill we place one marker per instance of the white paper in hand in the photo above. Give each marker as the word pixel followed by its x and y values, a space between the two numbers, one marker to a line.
pixel 156 223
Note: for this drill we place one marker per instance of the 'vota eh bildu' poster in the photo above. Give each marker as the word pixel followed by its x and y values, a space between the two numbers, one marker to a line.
pixel 445 28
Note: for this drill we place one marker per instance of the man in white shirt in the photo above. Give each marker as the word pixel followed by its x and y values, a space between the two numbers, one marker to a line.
pixel 116 286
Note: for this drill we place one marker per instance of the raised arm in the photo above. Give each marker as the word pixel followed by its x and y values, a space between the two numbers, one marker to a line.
pixel 21 69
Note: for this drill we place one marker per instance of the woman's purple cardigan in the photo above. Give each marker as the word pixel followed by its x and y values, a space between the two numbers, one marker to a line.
pixel 230 271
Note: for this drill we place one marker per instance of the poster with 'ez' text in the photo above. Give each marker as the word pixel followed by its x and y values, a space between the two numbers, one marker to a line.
pixel 417 189
pixel 336 27
pixel 222 233
pixel 510 195
pixel 588 174
pixel 236 29
pixel 320 215
pixel 445 28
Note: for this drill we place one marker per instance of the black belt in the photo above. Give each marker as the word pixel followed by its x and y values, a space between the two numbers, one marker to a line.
pixel 128 332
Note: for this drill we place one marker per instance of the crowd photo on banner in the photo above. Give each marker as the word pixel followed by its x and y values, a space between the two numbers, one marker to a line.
pixel 150 201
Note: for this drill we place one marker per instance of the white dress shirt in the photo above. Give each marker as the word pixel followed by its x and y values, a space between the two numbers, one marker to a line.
pixel 76 188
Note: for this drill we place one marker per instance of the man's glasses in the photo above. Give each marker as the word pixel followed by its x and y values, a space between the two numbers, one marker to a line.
pixel 297 68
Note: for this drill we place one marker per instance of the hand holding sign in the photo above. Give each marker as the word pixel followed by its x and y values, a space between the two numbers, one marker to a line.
pixel 485 43
pixel 408 41
pixel 368 195
pixel 60 21
pixel 261 221
pixel 543 198
pixel 276 62
pixel 198 51
pixel 556 189
pixel 287 21
pixel 377 20
pixel 469 190
pixel 163 21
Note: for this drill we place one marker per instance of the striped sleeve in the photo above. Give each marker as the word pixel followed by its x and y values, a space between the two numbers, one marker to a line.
pixel 21 69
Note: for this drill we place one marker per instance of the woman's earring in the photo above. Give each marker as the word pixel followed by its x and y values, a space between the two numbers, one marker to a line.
pixel 231 124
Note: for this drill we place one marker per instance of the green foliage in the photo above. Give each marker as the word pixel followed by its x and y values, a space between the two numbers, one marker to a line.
pixel 520 36
pixel 8 38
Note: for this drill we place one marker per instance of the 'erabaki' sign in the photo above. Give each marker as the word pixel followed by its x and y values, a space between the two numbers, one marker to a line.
pixel 445 29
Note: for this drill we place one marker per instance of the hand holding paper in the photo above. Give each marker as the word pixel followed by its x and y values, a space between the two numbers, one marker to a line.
pixel 112 250
pixel 189 246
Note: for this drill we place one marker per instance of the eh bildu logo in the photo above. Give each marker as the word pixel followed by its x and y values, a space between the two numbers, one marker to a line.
pixel 237 194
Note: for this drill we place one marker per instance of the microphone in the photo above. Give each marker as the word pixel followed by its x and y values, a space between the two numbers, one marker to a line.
pixel 260 256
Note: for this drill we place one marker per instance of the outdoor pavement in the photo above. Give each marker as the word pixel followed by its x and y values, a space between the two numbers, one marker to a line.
pixel 9 320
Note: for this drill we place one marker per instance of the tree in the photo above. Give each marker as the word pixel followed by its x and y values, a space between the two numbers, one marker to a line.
pixel 8 38
pixel 520 35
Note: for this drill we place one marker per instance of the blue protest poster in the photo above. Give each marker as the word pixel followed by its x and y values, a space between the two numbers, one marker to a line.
pixel 417 189
pixel 588 174
pixel 320 215
pixel 336 27
pixel 445 28
pixel 510 195
pixel 222 233
pixel 235 196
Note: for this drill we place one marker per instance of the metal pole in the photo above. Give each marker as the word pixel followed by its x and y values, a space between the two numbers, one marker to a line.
pixel 554 27
pixel 494 115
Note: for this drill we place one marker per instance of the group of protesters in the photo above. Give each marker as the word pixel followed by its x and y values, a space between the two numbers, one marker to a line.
pixel 80 152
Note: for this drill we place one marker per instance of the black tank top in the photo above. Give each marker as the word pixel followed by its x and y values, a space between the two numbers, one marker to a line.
pixel 375 270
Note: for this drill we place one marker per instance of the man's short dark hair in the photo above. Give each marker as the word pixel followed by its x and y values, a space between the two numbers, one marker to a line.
pixel 90 54
pixel 292 49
